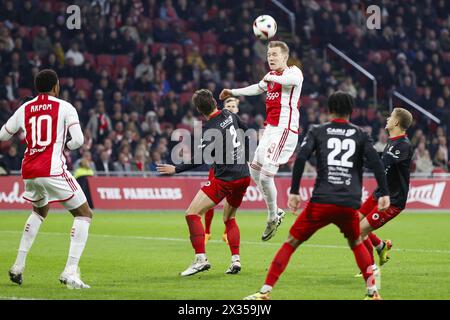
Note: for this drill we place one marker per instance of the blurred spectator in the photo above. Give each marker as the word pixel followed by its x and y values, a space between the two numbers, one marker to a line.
pixel 99 124
pixel 11 159
pixel 8 91
pixel 422 159
pixel 122 164
pixel 139 161
pixel 104 163
pixel 75 54
pixel 382 141
pixel 84 169
pixel 144 68
pixel 42 44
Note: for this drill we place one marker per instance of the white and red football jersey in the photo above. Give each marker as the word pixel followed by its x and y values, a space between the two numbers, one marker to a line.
pixel 283 101
pixel 45 121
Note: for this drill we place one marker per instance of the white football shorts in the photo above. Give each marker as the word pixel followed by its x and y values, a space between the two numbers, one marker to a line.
pixel 276 147
pixel 64 188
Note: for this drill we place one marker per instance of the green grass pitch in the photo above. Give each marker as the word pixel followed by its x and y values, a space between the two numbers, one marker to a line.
pixel 139 256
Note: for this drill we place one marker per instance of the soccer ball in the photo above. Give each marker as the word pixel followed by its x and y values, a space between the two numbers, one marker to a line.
pixel 264 27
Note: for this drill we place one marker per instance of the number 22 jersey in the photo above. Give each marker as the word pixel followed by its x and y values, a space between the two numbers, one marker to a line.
pixel 45 121
pixel 341 149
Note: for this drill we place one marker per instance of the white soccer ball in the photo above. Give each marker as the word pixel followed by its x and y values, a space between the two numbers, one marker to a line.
pixel 264 27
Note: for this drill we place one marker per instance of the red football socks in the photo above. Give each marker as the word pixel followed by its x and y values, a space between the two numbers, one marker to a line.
pixel 208 220
pixel 197 233
pixel 362 257
pixel 279 263
pixel 233 235
pixel 375 240
pixel 369 246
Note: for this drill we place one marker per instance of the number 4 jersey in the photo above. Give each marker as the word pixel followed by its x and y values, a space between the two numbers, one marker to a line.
pixel 341 149
pixel 45 121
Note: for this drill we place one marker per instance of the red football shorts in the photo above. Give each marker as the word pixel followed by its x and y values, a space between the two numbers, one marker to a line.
pixel 318 215
pixel 376 218
pixel 233 191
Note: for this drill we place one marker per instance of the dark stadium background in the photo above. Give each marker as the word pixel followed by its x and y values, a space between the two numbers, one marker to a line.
pixel 132 67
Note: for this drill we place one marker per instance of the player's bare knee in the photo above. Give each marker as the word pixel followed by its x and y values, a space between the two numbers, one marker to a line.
pixel 354 242
pixel 293 242
pixel 82 211
pixel 42 211
pixel 227 217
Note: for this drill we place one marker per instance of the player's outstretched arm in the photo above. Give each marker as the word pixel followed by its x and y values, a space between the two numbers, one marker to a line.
pixel 166 169
pixel 290 78
pixel 253 90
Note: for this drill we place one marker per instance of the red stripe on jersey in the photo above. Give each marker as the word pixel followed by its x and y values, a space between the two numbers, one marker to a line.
pixel 290 108
pixel 39 115
pixel 73 183
pixel 281 145
pixel 69 182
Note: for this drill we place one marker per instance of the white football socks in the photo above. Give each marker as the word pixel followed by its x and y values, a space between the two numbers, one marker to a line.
pixel 265 288
pixel 29 234
pixel 269 191
pixel 380 246
pixel 79 236
pixel 200 257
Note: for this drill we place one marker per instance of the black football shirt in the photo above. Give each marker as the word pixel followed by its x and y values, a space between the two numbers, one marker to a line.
pixel 223 142
pixel 340 148
pixel 396 158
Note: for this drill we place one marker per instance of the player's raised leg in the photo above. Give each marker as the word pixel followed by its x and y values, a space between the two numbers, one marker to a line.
pixel 266 184
pixel 199 205
pixel 31 229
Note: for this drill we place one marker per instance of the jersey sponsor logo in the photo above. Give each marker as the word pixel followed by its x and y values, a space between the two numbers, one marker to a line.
pixel 273 95
pixel 430 194
pixel 350 132
pixel 37 150
pixel 227 122
pixel 341 132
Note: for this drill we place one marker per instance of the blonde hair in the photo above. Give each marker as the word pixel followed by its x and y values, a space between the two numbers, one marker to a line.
pixel 280 44
pixel 404 117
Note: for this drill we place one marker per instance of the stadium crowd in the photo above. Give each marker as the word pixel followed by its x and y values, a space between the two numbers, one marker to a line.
pixel 132 67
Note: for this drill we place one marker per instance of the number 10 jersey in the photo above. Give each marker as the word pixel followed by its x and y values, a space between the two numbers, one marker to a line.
pixel 45 121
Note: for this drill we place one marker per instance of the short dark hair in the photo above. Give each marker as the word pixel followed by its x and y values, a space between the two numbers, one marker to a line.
pixel 45 80
pixel 204 101
pixel 340 103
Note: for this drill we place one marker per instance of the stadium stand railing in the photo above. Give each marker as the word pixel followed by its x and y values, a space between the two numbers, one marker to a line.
pixel 412 104
pixel 358 67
